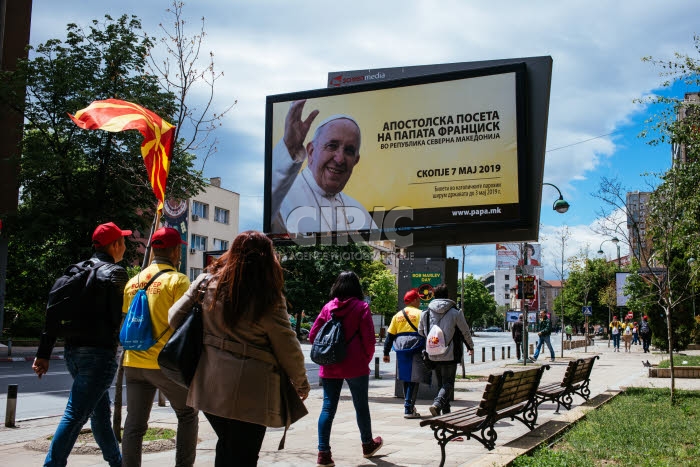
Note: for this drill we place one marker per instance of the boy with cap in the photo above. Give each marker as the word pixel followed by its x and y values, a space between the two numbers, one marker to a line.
pixel 143 375
pixel 91 358
pixel 408 345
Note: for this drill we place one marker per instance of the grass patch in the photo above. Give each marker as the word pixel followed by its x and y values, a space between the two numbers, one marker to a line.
pixel 637 428
pixel 681 360
pixel 152 434
pixel 472 377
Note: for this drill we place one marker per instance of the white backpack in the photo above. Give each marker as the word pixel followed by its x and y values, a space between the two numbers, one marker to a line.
pixel 435 342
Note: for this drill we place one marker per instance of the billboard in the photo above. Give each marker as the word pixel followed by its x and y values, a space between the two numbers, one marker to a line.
pixel 620 282
pixel 510 255
pixel 532 303
pixel 438 157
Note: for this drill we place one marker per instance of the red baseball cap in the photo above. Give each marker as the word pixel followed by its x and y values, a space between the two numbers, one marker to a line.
pixel 166 237
pixel 410 296
pixel 105 234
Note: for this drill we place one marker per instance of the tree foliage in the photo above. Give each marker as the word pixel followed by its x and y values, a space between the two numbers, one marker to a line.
pixel 72 179
pixel 479 306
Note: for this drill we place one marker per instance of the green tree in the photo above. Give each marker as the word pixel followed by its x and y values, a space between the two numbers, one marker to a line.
pixel 478 304
pixel 71 179
pixel 310 271
pixel 383 293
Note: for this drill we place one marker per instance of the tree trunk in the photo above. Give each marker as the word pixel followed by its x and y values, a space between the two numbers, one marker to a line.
pixel 670 355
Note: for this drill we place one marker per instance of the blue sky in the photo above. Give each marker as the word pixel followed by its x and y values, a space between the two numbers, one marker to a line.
pixel 269 47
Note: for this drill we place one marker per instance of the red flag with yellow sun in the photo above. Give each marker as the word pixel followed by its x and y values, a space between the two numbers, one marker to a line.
pixel 116 115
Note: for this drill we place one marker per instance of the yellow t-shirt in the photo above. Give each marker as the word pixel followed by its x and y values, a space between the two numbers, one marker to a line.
pixel 399 324
pixel 162 294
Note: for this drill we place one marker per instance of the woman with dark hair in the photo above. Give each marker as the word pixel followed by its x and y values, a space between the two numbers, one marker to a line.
pixel 249 348
pixel 347 304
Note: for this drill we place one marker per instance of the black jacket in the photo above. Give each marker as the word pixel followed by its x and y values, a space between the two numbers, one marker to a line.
pixel 111 279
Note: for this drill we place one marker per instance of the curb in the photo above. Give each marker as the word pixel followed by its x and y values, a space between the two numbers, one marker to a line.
pixel 27 359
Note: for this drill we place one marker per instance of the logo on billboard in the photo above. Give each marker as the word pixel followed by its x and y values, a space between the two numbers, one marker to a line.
pixel 339 80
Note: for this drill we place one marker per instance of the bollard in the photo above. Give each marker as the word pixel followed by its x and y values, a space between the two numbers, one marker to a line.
pixel 532 349
pixel 503 353
pixel 161 399
pixel 376 367
pixel 11 409
pixel 472 358
pixel 9 346
pixel 483 354
pixel 509 352
pixel 493 354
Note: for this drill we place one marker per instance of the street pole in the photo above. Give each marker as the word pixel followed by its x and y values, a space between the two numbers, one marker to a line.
pixel 561 297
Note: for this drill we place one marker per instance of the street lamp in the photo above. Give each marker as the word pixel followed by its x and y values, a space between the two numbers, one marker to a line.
pixel 691 262
pixel 616 241
pixel 560 205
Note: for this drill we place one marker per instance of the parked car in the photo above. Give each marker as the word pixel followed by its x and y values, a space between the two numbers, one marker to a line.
pixel 493 329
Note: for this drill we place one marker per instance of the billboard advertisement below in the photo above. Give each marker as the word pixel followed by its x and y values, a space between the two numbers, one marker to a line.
pixel 510 255
pixel 434 152
pixel 620 282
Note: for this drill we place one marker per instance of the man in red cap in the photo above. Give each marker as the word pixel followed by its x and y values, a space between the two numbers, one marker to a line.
pixel 408 345
pixel 143 375
pixel 91 355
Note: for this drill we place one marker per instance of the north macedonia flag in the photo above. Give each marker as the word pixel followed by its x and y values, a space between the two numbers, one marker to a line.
pixel 116 115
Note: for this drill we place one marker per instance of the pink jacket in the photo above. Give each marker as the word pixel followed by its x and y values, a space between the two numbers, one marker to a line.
pixel 356 315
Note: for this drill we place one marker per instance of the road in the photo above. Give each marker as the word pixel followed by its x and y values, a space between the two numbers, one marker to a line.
pixel 48 396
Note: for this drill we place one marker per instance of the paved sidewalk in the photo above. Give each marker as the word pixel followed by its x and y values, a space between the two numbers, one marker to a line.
pixel 405 442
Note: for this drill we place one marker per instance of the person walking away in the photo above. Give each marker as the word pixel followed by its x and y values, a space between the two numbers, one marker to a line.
pixel 403 336
pixel 142 373
pixel 91 358
pixel 517 333
pixel 443 314
pixel 248 340
pixel 635 333
pixel 627 335
pixel 645 334
pixel 568 329
pixel 347 303
pixel 615 329
pixel 545 334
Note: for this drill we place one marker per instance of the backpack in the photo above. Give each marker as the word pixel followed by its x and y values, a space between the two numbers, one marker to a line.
pixel 628 331
pixel 137 331
pixel 435 341
pixel 644 328
pixel 71 301
pixel 329 346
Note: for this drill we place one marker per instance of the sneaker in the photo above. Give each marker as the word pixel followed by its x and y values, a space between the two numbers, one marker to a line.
pixel 434 410
pixel 369 449
pixel 552 360
pixel 324 459
pixel 412 414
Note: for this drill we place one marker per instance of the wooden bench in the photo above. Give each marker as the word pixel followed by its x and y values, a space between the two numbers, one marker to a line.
pixel 511 394
pixel 576 381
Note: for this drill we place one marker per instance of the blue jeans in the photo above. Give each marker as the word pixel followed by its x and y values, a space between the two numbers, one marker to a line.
pixel 540 345
pixel 93 370
pixel 410 391
pixel 616 341
pixel 359 388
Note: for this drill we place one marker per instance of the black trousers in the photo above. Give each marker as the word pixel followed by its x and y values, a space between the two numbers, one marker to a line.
pixel 239 442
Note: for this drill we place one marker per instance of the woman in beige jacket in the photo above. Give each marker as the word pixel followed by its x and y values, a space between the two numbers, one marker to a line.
pixel 249 347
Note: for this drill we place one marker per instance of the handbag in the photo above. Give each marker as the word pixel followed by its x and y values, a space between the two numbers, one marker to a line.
pixel 427 362
pixel 179 357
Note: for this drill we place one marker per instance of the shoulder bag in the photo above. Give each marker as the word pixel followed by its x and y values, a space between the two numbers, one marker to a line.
pixel 179 357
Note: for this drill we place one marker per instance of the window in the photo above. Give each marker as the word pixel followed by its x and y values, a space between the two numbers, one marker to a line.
pixel 507 296
pixel 220 244
pixel 198 243
pixel 194 272
pixel 507 277
pixel 200 209
pixel 221 216
pixel 507 287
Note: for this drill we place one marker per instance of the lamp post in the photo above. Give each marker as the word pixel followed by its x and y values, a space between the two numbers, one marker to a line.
pixel 616 241
pixel 561 206
pixel 691 262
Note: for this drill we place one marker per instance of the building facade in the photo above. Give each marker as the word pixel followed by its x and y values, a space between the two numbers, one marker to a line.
pixel 637 203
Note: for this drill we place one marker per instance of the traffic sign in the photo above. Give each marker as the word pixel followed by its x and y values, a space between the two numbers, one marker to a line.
pixel 587 311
